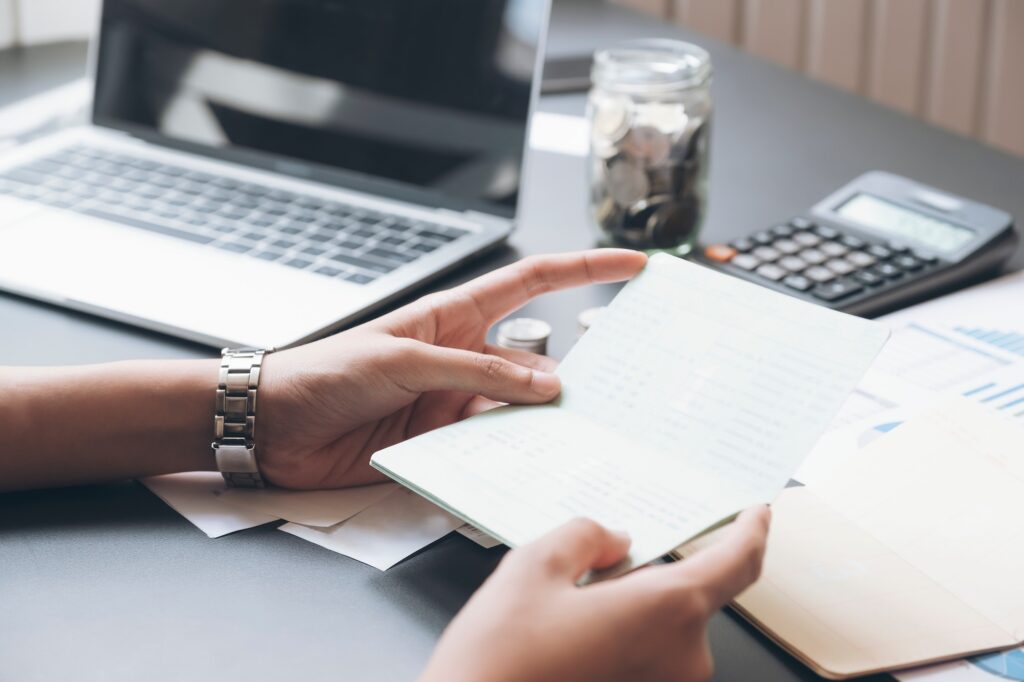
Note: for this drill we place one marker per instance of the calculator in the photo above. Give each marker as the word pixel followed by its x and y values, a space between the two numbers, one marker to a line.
pixel 878 243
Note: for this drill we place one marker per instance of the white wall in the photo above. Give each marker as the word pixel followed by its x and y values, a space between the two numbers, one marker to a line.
pixel 6 23
pixel 29 22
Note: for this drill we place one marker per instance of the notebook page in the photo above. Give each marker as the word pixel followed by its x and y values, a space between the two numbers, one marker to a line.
pixel 943 491
pixel 694 395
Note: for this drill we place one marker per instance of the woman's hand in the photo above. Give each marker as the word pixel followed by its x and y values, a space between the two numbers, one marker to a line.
pixel 530 622
pixel 327 406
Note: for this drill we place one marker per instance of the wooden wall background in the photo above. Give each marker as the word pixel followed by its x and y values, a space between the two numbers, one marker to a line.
pixel 958 64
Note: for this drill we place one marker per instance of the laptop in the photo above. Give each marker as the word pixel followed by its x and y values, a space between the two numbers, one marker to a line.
pixel 261 172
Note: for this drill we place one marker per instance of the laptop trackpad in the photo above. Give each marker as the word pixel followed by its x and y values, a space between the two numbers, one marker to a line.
pixel 166 283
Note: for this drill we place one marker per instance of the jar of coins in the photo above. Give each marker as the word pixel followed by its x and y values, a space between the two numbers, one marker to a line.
pixel 650 112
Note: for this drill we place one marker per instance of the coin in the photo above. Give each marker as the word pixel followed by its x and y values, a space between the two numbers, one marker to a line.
pixel 647 143
pixel 524 333
pixel 627 182
pixel 610 119
pixel 669 118
pixel 586 318
pixel 636 230
pixel 673 223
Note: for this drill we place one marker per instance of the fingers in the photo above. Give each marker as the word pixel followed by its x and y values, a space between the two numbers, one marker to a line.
pixel 422 368
pixel 524 358
pixel 574 548
pixel 732 564
pixel 507 289
pixel 479 404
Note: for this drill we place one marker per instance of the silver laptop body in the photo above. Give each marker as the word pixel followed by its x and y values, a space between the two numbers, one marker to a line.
pixel 261 172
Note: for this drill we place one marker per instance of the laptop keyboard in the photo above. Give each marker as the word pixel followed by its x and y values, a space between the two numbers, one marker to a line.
pixel 299 231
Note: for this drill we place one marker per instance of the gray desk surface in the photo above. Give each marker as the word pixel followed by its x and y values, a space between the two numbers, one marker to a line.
pixel 106 582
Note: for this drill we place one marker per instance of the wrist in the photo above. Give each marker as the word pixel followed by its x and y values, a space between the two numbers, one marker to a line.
pixel 91 423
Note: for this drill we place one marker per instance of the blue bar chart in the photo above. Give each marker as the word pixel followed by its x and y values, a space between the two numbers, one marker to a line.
pixel 1000 395
pixel 1011 342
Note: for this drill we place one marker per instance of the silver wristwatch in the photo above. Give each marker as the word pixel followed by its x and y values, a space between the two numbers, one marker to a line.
pixel 234 424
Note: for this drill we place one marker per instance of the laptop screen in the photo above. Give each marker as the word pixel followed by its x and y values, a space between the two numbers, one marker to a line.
pixel 425 100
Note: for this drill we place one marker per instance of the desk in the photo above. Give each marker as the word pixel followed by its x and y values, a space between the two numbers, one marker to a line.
pixel 106 582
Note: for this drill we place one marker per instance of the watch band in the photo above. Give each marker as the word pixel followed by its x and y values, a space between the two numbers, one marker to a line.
pixel 234 423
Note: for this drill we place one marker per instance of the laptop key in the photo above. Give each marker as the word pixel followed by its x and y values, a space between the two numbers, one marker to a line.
pixel 152 227
pixel 363 263
pixel 424 247
pixel 235 247
pixel 269 255
pixel 300 263
pixel 434 234
pixel 349 244
pixel 388 254
pixel 329 271
pixel 360 278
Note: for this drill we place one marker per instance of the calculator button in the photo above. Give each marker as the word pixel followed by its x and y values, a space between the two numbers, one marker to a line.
pixel 782 231
pixel 833 291
pixel 861 259
pixel 745 261
pixel 908 263
pixel 826 232
pixel 925 257
pixel 852 242
pixel 833 249
pixel 786 246
pixel 840 266
pixel 879 252
pixel 720 253
pixel 801 223
pixel 869 278
pixel 806 239
pixel 898 247
pixel 819 274
pixel 792 263
pixel 742 245
pixel 762 237
pixel 771 271
pixel 888 270
pixel 798 282
pixel 766 253
pixel 813 256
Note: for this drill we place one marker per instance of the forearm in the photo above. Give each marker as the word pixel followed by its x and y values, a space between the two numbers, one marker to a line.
pixel 70 425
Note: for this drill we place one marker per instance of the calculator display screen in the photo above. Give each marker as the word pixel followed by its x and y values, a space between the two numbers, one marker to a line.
pixel 904 223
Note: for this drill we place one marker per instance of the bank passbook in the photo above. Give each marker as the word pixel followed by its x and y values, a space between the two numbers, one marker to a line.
pixel 694 396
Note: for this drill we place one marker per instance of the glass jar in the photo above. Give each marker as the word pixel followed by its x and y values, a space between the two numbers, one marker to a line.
pixel 650 114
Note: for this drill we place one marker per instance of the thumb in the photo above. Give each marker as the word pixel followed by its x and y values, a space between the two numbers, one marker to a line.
pixel 574 548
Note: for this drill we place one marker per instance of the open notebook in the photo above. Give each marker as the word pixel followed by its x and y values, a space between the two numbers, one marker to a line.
pixel 909 554
pixel 694 396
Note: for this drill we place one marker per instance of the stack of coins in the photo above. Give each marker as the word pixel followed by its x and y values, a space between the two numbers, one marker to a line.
pixel 586 318
pixel 524 333
pixel 648 170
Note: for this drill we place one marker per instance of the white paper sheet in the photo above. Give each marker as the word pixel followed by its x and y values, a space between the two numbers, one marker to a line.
pixel 693 396
pixel 320 508
pixel 997 667
pixel 197 497
pixel 399 525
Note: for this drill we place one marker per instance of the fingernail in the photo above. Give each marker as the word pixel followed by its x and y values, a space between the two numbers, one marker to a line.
pixel 622 535
pixel 545 383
